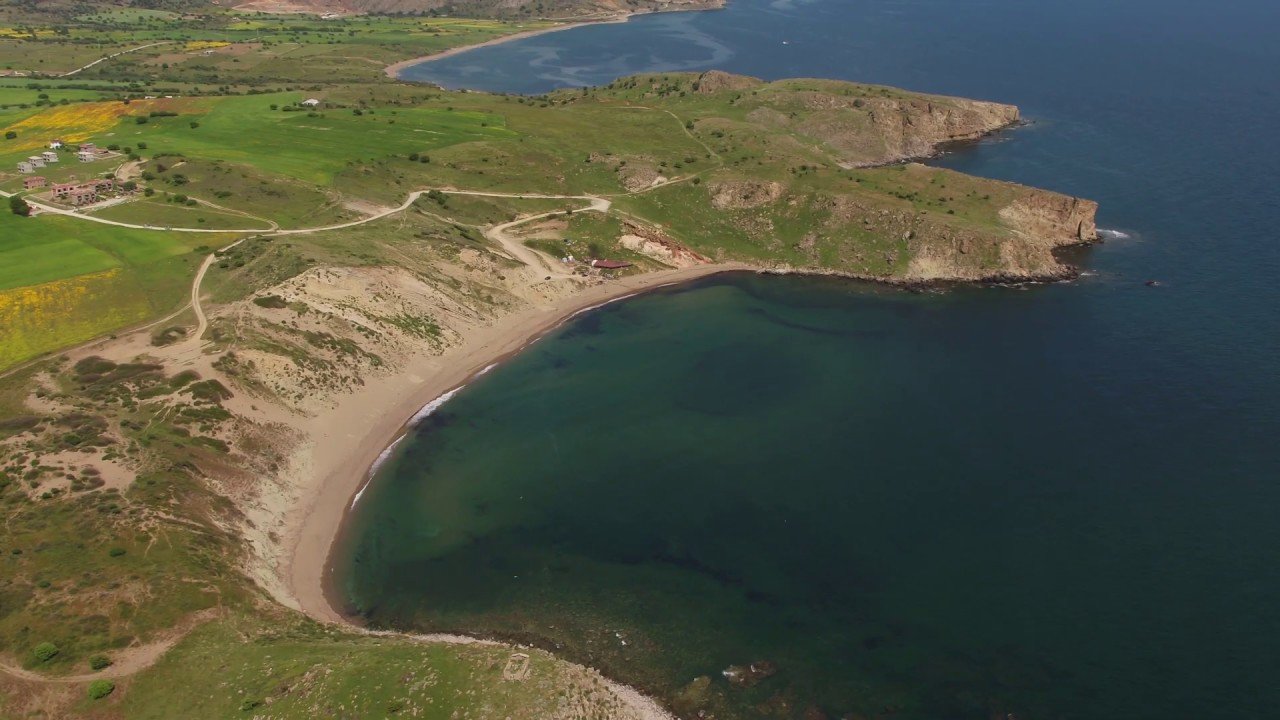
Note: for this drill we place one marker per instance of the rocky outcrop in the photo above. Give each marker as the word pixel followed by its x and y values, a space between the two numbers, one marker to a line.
pixel 1057 219
pixel 716 81
pixel 861 125
pixel 741 194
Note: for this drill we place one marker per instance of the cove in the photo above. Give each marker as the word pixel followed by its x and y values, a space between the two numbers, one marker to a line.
pixel 1053 501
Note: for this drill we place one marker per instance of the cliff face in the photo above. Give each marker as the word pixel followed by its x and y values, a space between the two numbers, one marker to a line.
pixel 1054 218
pixel 863 125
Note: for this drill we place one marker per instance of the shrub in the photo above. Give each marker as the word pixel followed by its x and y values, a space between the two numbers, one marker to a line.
pixel 116 551
pixel 141 120
pixel 270 301
pixel 99 689
pixel 45 651
pixel 11 134
pixel 19 206
pixel 98 662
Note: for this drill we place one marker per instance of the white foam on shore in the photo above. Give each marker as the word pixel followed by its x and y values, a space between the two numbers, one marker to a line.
pixel 429 409
pixel 589 308
pixel 426 411
pixel 1114 234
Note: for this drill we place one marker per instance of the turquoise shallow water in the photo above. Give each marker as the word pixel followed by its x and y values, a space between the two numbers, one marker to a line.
pixel 1057 501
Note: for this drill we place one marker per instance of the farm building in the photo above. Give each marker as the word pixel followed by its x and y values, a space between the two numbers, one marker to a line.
pixel 34 182
pixel 610 264
pixel 49 156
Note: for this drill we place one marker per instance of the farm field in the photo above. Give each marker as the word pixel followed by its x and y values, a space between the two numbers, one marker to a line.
pixel 308 146
pixel 64 281
pixel 225 45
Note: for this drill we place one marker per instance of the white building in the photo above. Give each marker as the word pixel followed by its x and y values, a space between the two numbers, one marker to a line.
pixel 49 156
pixel 26 167
pixel 87 155
pixel 311 102
pixel 55 144
pixel 36 161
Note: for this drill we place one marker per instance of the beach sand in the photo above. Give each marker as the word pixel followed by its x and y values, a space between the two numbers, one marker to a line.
pixel 345 441
pixel 394 70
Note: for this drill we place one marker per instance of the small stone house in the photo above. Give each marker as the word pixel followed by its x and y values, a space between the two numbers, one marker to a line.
pixel 26 167
pixel 34 182
pixel 49 156
pixel 36 161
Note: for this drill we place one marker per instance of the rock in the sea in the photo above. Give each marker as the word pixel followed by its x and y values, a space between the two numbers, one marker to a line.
pixel 750 675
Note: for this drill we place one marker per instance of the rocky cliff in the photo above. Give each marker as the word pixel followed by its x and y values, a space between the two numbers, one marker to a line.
pixel 863 125
pixel 812 175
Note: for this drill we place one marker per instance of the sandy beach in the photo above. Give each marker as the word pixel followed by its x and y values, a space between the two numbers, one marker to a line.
pixel 394 70
pixel 345 442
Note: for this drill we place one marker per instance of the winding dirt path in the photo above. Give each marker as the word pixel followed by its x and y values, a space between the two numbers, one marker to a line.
pixel 112 55
pixel 125 662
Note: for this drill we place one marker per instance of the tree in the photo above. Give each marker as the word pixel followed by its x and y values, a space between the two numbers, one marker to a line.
pixel 19 206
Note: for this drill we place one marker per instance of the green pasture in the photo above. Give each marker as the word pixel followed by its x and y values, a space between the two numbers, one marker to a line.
pixel 64 280
pixel 308 146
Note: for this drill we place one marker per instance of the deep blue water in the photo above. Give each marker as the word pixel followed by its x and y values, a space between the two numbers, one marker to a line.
pixel 1060 501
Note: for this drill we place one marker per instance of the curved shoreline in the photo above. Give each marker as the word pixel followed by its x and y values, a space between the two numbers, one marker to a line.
pixel 393 70
pixel 346 441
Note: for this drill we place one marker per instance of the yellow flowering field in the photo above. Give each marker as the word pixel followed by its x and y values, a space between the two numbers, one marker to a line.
pixel 205 44
pixel 39 318
pixel 9 32
pixel 81 121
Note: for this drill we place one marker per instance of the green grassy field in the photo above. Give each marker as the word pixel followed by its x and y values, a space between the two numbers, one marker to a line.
pixel 173 214
pixel 309 146
pixel 64 280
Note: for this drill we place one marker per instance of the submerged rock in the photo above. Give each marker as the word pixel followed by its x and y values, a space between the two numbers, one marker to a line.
pixel 746 676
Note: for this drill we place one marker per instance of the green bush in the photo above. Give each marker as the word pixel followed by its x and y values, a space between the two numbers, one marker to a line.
pixel 99 689
pixel 19 206
pixel 98 662
pixel 116 551
pixel 45 651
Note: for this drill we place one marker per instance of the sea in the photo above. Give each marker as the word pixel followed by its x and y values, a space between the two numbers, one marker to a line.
pixel 781 497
